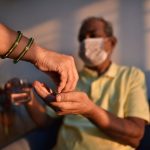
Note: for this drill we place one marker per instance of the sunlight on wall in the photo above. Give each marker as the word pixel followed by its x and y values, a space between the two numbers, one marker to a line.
pixel 147 33
pixel 107 9
pixel 46 34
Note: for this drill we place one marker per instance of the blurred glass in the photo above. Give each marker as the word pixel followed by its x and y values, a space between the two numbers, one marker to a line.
pixel 19 91
pixel 20 97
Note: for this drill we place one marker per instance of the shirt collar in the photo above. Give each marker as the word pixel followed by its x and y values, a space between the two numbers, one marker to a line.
pixel 111 72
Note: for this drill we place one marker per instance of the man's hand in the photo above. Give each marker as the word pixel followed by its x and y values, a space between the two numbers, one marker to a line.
pixel 73 103
pixel 60 67
pixel 66 103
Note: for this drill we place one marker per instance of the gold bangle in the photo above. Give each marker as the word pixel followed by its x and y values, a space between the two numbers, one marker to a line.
pixel 15 44
pixel 30 42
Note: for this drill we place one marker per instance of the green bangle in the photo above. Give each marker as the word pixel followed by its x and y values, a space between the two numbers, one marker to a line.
pixel 15 44
pixel 30 42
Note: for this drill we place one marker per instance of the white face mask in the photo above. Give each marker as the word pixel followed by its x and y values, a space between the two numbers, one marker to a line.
pixel 92 52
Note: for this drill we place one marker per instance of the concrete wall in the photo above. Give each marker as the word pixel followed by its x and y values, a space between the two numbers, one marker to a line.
pixel 55 24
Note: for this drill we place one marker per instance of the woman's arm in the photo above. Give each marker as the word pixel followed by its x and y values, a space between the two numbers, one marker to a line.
pixel 62 66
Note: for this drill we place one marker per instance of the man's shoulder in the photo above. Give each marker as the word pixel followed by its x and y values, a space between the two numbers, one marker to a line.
pixel 131 71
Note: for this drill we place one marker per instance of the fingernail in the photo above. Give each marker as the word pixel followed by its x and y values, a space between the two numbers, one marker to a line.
pixel 58 90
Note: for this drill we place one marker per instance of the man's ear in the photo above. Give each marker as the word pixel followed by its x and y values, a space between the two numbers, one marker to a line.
pixel 113 41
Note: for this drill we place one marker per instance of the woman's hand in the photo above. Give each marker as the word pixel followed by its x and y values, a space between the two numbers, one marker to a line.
pixel 60 67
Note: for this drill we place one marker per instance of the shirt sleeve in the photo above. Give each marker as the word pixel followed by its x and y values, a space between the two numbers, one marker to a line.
pixel 137 101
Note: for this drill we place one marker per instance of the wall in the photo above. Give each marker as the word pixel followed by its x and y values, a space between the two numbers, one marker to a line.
pixel 55 24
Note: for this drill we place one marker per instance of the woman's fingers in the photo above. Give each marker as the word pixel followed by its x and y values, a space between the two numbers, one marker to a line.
pixel 72 76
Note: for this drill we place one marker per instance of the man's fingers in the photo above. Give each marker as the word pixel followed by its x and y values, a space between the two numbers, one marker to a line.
pixel 41 90
pixel 63 105
pixel 67 97
pixel 60 113
pixel 64 108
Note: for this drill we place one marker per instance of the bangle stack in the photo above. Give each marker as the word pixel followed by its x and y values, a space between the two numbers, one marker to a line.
pixel 15 44
pixel 30 42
